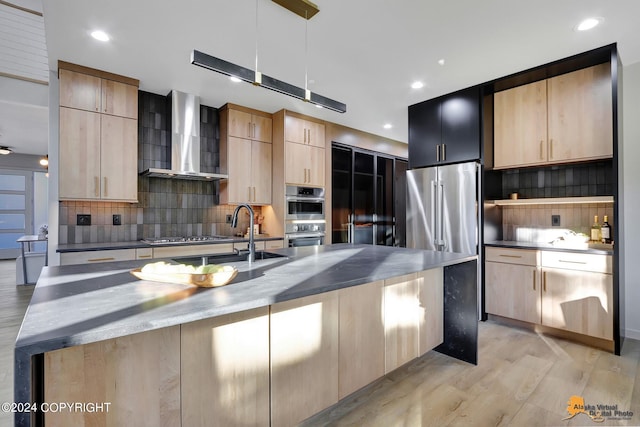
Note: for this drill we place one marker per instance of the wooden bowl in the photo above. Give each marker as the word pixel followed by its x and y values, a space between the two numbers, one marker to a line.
pixel 211 280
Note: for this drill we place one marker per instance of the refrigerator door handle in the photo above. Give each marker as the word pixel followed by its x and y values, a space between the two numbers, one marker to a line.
pixel 434 221
pixel 441 243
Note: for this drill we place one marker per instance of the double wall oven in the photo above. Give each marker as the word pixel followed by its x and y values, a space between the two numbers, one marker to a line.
pixel 304 217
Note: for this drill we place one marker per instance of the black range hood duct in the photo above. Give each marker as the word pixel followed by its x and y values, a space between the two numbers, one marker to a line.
pixel 185 141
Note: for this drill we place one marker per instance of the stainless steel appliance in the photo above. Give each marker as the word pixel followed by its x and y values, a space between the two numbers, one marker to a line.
pixel 442 208
pixel 187 239
pixel 304 233
pixel 304 203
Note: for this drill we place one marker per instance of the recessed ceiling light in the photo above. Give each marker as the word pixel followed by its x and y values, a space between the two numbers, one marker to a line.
pixel 100 35
pixel 235 79
pixel 417 85
pixel 44 161
pixel 588 24
pixel 5 150
pixel 441 61
pixel 387 126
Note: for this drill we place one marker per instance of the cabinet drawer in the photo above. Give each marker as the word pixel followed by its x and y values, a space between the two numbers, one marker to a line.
pixel 274 244
pixel 512 256
pixel 144 253
pixel 182 251
pixel 87 257
pixel 576 261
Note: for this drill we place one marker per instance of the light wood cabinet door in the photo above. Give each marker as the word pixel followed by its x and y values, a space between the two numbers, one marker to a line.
pixel 401 321
pixel 239 124
pixel 580 115
pixel 304 132
pixel 80 91
pixel 239 185
pixel 361 337
pixel 119 158
pixel 513 291
pixel 431 309
pixel 139 375
pixel 304 165
pixel 578 301
pixel 79 154
pixel 304 357
pixel 225 370
pixel 119 99
pixel 262 128
pixel 261 161
pixel 520 126
pixel 92 257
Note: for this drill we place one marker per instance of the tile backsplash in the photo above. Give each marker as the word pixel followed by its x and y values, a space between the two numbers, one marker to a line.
pixel 532 223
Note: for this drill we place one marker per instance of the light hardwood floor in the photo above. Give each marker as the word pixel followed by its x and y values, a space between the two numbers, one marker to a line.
pixel 522 379
pixel 13 303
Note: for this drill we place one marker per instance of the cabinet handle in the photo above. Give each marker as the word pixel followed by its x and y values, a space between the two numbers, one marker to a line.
pixel 97 99
pixel 101 259
pixel 572 262
pixel 249 129
pixel 438 153
pixel 309 136
pixel 254 194
pixel 444 152
pixel 534 280
pixel 254 131
pixel 105 187
pixel 511 256
pixel 541 153
pixel 305 135
pixel 106 99
pixel 96 186
pixel 144 256
pixel 249 189
pixel 544 281
pixel 551 149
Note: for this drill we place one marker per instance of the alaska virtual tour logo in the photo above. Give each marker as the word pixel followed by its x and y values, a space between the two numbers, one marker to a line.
pixel 598 412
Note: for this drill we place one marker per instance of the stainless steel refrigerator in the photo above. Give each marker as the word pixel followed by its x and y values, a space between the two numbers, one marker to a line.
pixel 442 208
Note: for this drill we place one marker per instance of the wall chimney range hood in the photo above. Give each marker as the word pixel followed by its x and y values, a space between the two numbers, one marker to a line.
pixel 185 141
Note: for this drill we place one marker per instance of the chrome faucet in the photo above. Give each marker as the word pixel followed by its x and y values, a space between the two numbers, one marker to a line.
pixel 234 224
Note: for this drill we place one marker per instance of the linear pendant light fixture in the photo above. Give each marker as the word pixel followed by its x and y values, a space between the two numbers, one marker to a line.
pixel 299 7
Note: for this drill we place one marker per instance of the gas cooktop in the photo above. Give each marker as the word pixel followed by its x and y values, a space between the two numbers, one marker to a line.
pixel 188 239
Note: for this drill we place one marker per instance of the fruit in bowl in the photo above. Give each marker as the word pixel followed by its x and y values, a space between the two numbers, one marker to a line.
pixel 210 275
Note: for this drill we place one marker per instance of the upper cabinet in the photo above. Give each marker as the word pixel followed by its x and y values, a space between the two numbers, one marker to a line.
pixel 100 95
pixel 243 124
pixel 98 136
pixel 245 155
pixel 304 131
pixel 562 119
pixel 445 130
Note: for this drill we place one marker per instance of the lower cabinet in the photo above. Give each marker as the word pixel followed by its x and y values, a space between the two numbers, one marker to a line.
pixel 90 257
pixel 401 321
pixel 563 290
pixel 431 312
pixel 138 375
pixel 225 370
pixel 304 357
pixel 361 333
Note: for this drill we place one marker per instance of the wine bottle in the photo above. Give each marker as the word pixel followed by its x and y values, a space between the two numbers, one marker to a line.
pixel 595 230
pixel 605 230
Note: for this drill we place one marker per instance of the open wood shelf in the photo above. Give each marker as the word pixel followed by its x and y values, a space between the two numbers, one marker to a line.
pixel 552 201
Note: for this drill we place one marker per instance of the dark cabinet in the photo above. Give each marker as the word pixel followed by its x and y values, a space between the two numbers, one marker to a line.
pixel 365 191
pixel 445 130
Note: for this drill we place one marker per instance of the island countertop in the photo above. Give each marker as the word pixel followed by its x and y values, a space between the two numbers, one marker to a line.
pixel 81 304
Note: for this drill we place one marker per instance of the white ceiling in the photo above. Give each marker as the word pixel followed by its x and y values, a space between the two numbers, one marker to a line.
pixel 365 53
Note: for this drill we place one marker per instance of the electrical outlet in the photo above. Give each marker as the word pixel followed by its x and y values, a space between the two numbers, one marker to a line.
pixel 229 219
pixel 117 219
pixel 83 219
pixel 555 220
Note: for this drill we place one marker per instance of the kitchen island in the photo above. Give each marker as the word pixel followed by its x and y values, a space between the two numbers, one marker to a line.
pixel 84 317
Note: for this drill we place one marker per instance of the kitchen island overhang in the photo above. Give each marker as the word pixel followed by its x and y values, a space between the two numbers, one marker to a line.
pixel 76 305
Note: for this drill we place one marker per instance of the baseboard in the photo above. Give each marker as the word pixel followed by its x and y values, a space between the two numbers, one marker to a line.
pixel 634 334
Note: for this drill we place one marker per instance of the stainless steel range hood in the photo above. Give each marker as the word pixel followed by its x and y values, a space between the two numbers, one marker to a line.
pixel 185 141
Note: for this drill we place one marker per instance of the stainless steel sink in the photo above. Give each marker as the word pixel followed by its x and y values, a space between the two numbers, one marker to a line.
pixel 226 258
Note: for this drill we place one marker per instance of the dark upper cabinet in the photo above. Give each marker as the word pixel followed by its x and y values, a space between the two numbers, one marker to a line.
pixel 445 130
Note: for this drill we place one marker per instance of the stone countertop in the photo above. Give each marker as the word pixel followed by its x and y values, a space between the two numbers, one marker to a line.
pixel 83 247
pixel 598 248
pixel 80 304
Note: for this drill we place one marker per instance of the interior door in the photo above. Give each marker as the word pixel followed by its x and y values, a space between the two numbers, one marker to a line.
pixel 341 194
pixel 400 203
pixel 385 220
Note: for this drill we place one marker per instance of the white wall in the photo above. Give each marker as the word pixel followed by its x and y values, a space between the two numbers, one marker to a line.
pixel 630 199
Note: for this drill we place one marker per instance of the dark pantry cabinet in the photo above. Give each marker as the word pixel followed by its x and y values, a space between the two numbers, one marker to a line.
pixel 445 129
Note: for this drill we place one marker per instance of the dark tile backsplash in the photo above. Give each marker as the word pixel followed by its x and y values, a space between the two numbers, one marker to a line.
pixel 166 207
pixel 587 179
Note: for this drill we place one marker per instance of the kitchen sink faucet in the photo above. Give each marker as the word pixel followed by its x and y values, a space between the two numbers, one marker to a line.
pixel 234 224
